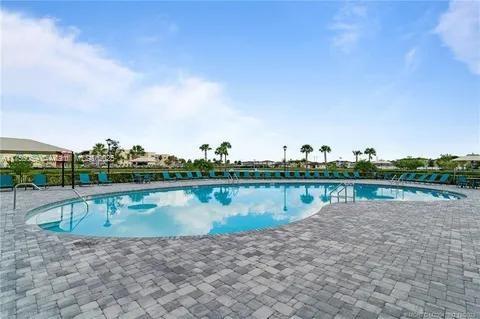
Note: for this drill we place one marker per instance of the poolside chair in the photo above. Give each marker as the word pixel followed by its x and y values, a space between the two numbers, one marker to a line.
pixel 40 180
pixel 462 181
pixel 103 179
pixel 410 177
pixel 84 179
pixel 211 174
pixel 347 175
pixel 179 176
pixel 256 174
pixel 387 176
pixel 267 175
pixel 287 174
pixel 166 176
pixel 421 178
pixel 308 174
pixel 190 175
pixel 356 175
pixel 296 174
pixel 6 181
pixel 277 174
pixel 444 179
pixel 432 178
pixel 198 174
pixel 336 175
pixel 326 173
pixel 147 178
pixel 316 174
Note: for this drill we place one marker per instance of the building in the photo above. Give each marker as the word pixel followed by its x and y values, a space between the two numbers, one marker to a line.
pixel 41 154
pixel 383 164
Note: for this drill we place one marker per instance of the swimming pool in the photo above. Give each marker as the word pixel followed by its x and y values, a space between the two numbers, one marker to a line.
pixel 202 210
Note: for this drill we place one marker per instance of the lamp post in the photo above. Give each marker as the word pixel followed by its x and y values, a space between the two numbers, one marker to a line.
pixel 109 144
pixel 284 158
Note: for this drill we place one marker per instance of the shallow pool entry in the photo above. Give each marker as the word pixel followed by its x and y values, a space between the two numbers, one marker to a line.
pixel 203 210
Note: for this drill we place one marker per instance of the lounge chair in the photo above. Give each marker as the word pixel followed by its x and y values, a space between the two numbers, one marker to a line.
pixel 103 179
pixel 277 174
pixel 326 174
pixel 410 177
pixel 288 174
pixel 166 176
pixel 178 176
pixel 421 178
pixel 211 174
pixel 356 175
pixel 444 179
pixel 462 181
pixel 267 175
pixel 296 174
pixel 198 174
pixel 147 178
pixel 256 174
pixel 40 180
pixel 84 179
pixel 432 178
pixel 336 175
pixel 6 181
pixel 308 174
pixel 189 175
pixel 347 175
pixel 316 174
pixel 387 176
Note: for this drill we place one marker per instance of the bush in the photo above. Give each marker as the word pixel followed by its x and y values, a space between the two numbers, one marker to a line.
pixel 409 163
pixel 20 166
pixel 365 167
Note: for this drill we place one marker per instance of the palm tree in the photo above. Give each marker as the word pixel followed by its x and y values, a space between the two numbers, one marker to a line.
pixel 205 148
pixel 136 151
pixel 325 149
pixel 225 147
pixel 99 149
pixel 370 151
pixel 307 148
pixel 357 154
pixel 219 151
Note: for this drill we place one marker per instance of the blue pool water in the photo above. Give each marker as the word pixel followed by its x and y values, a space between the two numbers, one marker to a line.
pixel 208 209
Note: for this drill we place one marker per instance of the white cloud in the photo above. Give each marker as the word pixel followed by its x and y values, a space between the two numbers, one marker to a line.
pixel 348 25
pixel 410 59
pixel 75 92
pixel 459 29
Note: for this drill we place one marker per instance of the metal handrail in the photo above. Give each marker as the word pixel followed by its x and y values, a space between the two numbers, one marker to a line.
pixel 81 197
pixel 15 191
pixel 342 188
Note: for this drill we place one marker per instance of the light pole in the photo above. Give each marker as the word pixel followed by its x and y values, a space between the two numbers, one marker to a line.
pixel 284 159
pixel 109 144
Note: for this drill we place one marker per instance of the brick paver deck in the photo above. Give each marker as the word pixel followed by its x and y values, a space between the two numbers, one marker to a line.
pixel 358 260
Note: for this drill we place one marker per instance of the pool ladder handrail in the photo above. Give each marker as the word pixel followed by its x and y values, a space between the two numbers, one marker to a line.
pixel 232 177
pixel 82 198
pixel 342 187
pixel 15 191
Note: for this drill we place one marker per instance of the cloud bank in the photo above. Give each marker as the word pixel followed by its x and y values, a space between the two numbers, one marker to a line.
pixel 79 96
pixel 459 29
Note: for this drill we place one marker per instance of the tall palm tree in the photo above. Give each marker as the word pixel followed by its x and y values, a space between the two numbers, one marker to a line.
pixel 357 154
pixel 370 151
pixel 225 147
pixel 307 148
pixel 205 148
pixel 99 149
pixel 219 151
pixel 136 151
pixel 325 149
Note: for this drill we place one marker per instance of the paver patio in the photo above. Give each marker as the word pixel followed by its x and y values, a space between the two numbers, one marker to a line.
pixel 356 260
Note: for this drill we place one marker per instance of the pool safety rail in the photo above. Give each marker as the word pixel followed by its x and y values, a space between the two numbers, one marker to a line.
pixel 38 188
pixel 341 192
pixel 232 177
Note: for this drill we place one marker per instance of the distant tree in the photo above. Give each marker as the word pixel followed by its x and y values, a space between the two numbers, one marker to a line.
pixel 203 165
pixel 20 166
pixel 219 152
pixel 99 149
pixel 307 148
pixel 116 152
pixel 325 149
pixel 370 151
pixel 365 167
pixel 357 154
pixel 225 147
pixel 446 161
pixel 409 163
pixel 205 148
pixel 136 151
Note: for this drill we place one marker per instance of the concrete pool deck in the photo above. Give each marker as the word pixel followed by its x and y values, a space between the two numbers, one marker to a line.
pixel 363 259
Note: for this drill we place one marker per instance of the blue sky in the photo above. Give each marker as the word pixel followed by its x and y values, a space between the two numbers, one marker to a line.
pixel 403 77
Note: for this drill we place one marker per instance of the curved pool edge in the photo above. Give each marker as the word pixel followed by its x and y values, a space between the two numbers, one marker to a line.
pixel 220 182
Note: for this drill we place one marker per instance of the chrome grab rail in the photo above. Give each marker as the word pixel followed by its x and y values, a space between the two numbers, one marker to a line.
pixel 15 191
pixel 81 197
pixel 343 187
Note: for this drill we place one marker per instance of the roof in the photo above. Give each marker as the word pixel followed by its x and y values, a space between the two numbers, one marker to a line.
pixel 26 146
pixel 468 158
